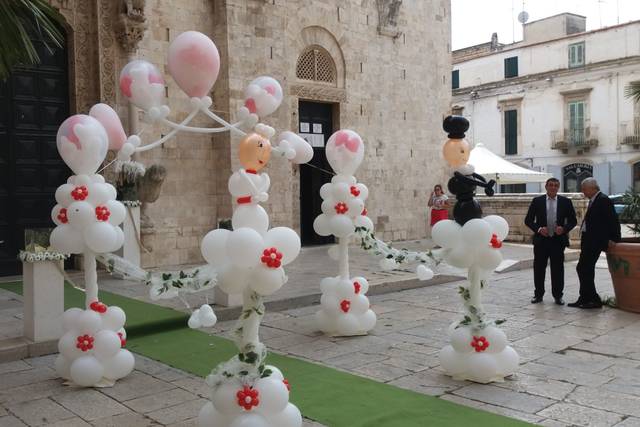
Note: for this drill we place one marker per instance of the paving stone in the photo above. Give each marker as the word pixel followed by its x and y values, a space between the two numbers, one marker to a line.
pixel 3 411
pixel 518 415
pixel 580 415
pixel 11 421
pixel 606 400
pixel 39 412
pixel 502 397
pixel 193 422
pixel 544 387
pixel 548 340
pixel 551 423
pixel 89 404
pixel 14 366
pixel 429 382
pixel 128 419
pixel 71 422
pixel 176 413
pixel 30 391
pixel 629 422
pixel 561 374
pixel 29 376
pixel 137 384
pixel 355 359
pixel 381 371
pixel 578 360
pixel 193 385
pixel 160 400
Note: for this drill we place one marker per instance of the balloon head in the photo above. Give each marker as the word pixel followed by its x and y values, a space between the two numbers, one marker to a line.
pixel 455 126
pixel 456 152
pixel 254 152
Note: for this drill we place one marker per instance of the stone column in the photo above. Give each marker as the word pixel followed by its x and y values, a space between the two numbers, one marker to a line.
pixel 43 292
pixel 131 228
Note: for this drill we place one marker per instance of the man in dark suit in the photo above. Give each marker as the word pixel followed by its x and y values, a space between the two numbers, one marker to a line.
pixel 551 217
pixel 600 231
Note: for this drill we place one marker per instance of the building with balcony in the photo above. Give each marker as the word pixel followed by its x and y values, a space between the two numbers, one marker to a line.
pixel 555 101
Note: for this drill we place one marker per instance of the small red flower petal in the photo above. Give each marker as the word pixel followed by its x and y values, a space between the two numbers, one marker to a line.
pixel 345 305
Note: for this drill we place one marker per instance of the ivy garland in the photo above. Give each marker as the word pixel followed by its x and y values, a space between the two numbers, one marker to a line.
pixel 28 256
pixel 369 243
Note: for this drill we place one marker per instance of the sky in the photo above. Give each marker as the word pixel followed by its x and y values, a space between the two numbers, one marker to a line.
pixel 473 21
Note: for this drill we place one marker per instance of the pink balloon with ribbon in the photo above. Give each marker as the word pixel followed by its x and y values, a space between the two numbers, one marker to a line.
pixel 345 151
pixel 109 119
pixel 142 84
pixel 194 63
pixel 82 143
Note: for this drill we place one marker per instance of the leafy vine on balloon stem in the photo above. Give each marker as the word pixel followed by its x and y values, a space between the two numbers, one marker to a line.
pixel 471 296
pixel 375 246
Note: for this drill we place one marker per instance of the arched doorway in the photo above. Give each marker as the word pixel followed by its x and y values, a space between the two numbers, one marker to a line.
pixel 316 125
pixel 34 100
pixel 574 174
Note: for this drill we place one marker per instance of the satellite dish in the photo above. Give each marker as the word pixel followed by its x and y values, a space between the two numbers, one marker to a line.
pixel 523 17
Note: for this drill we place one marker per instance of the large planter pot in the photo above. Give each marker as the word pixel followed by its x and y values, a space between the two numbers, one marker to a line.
pixel 624 266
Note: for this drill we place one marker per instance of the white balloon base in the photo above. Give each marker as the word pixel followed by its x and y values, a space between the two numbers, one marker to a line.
pixel 344 307
pixel 262 403
pixel 479 355
pixel 91 349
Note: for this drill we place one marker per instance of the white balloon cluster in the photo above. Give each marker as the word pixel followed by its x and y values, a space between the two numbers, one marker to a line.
pixel 480 355
pixel 87 215
pixel 264 404
pixel 345 308
pixel 202 317
pixel 478 350
pixel 91 349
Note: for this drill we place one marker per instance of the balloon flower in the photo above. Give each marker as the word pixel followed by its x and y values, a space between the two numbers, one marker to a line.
pixel 478 349
pixel 87 219
pixel 344 307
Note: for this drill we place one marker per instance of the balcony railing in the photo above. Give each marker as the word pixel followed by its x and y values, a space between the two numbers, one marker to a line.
pixel 580 138
pixel 630 132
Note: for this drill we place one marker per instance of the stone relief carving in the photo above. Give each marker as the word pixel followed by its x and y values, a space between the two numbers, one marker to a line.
pixel 388 12
pixel 131 25
pixel 318 92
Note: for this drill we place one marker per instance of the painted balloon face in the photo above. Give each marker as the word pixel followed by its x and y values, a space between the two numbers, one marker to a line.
pixel 456 152
pixel 345 151
pixel 254 152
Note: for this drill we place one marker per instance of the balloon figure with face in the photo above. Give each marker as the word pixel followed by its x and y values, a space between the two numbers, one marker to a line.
pixel 250 260
pixel 344 307
pixel 87 219
pixel 478 349
pixel 463 184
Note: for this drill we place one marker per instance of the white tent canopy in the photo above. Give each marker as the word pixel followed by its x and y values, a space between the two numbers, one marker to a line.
pixel 492 166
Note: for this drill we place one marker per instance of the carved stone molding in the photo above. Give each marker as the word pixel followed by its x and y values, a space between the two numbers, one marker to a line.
pixel 318 92
pixel 106 43
pixel 131 24
pixel 388 12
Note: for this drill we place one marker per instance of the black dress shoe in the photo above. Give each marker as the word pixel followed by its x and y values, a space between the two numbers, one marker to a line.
pixel 536 300
pixel 591 304
pixel 559 301
pixel 576 304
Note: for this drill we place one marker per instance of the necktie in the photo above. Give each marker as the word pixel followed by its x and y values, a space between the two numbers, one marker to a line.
pixel 551 217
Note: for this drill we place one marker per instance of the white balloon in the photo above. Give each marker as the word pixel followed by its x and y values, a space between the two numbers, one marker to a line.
pixel 446 233
pixel 106 344
pixel 81 214
pixel 251 216
pixel 101 237
pixel 249 420
pixel 321 225
pixel 67 346
pixel 273 395
pixel 207 316
pixel 214 247
pixel 497 339
pixel 364 222
pixel 224 397
pixel 507 361
pixel 118 212
pixel 266 281
pixel 488 258
pixel 303 150
pixel 388 264
pixel 364 191
pixel 341 225
pixel 367 321
pixel 359 304
pixel 333 251
pixel 476 232
pixel 364 284
pixel 209 416
pixel 275 372
pixel 461 339
pixel 114 318
pixel 120 365
pixel 86 371
pixel 285 240
pixel 232 279
pixel 347 179
pixel 347 324
pixel 119 237
pixel 424 273
pixel 63 194
pixel 290 417
pixel 328 207
pixel 452 361
pixel 244 247
pixel 345 289
pixel 325 191
pixel 55 212
pixel 70 318
pixel 67 240
pixel 355 206
pixel 328 284
pixel 63 366
pixel 482 367
pixel 345 151
pixel 194 320
pixel 99 193
pixel 330 304
pixel 499 225
pixel 461 256
pixel 341 191
pixel 88 322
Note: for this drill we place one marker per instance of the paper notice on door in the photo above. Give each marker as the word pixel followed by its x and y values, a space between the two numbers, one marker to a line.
pixel 314 139
pixel 317 128
pixel 304 127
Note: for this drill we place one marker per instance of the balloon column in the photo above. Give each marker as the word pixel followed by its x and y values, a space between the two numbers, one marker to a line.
pixel 478 349
pixel 344 308
pixel 87 217
pixel 250 260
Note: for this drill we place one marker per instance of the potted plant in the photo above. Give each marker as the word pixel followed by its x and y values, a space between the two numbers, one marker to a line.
pixel 624 258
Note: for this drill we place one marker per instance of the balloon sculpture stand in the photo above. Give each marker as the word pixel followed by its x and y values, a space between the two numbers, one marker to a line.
pixel 344 307
pixel 87 219
pixel 478 349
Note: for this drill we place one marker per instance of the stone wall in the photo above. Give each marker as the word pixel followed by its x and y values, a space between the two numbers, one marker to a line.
pixel 513 208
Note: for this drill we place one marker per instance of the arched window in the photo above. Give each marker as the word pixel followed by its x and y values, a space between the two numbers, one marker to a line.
pixel 316 64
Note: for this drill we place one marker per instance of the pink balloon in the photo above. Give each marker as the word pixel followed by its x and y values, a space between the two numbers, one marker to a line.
pixel 111 122
pixel 194 63
pixel 142 84
pixel 82 143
